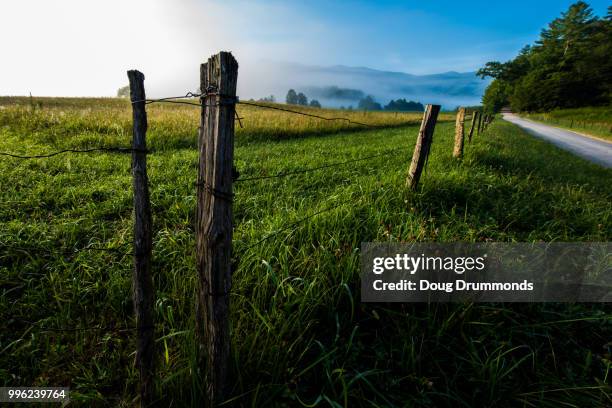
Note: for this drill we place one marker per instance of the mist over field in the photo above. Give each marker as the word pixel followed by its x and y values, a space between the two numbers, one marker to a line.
pixel 339 85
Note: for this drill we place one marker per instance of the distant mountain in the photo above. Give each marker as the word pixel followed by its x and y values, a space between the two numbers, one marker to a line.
pixel 340 85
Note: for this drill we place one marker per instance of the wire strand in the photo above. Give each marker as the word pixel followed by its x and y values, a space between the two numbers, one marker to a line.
pixel 285 174
pixel 150 101
pixel 311 115
pixel 169 98
pixel 103 149
pixel 172 99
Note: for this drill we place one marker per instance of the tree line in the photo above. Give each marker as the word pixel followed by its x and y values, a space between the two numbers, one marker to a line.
pixel 399 105
pixel 294 98
pixel 367 103
pixel 569 66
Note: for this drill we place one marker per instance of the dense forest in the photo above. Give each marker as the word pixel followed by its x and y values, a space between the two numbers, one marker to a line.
pixel 569 66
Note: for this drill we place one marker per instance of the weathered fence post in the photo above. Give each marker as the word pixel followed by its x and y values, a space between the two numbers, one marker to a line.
pixel 218 79
pixel 142 281
pixel 475 115
pixel 480 115
pixel 423 144
pixel 459 133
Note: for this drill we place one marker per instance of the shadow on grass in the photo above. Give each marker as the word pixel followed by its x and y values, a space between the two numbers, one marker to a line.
pixel 509 193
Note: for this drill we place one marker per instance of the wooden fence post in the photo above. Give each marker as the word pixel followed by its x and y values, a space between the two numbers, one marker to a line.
pixel 475 115
pixel 142 281
pixel 423 144
pixel 218 79
pixel 459 133
pixel 480 115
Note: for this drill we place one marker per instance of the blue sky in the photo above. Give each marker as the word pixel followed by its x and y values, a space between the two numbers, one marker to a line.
pixel 78 48
pixel 425 36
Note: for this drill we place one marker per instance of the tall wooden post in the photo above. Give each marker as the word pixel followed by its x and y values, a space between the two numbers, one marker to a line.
pixel 142 282
pixel 475 115
pixel 423 144
pixel 218 79
pixel 480 115
pixel 459 133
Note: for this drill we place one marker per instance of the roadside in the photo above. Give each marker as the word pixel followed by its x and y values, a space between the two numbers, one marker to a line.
pixel 593 122
pixel 578 131
pixel 592 149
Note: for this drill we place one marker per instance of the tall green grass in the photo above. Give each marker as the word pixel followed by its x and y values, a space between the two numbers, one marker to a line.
pixel 300 336
pixel 594 121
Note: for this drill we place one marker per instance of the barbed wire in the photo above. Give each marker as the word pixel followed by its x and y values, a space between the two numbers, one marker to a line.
pixel 169 99
pixel 173 99
pixel 95 149
pixel 149 101
pixel 326 166
pixel 350 121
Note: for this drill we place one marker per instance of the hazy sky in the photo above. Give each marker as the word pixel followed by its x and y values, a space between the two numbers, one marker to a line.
pixel 82 48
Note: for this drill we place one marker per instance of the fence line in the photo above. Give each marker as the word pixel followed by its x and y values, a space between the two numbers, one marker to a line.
pixel 420 156
pixel 172 99
pixel 143 293
pixel 326 166
pixel 213 227
pixel 214 217
pixel 94 149
pixel 350 121
pixel 459 133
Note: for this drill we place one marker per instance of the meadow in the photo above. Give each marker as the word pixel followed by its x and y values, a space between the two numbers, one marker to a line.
pixel 300 336
pixel 592 121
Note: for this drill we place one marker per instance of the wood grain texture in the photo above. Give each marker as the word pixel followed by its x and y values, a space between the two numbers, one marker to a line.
pixel 218 78
pixel 423 144
pixel 142 281
pixel 459 133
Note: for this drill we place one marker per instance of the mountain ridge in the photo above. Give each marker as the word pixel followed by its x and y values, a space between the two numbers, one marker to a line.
pixel 342 85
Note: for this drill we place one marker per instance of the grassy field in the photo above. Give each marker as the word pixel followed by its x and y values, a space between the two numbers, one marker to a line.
pixel 300 335
pixel 594 121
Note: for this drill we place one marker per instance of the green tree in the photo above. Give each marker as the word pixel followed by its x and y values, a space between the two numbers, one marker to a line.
pixel 315 104
pixel 291 98
pixel 302 99
pixel 123 92
pixel 402 105
pixel 568 66
pixel 496 96
pixel 368 103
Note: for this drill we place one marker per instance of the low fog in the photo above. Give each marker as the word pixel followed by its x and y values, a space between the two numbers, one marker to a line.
pixel 338 86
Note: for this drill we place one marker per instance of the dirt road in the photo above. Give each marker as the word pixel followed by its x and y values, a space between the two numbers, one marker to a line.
pixel 595 150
